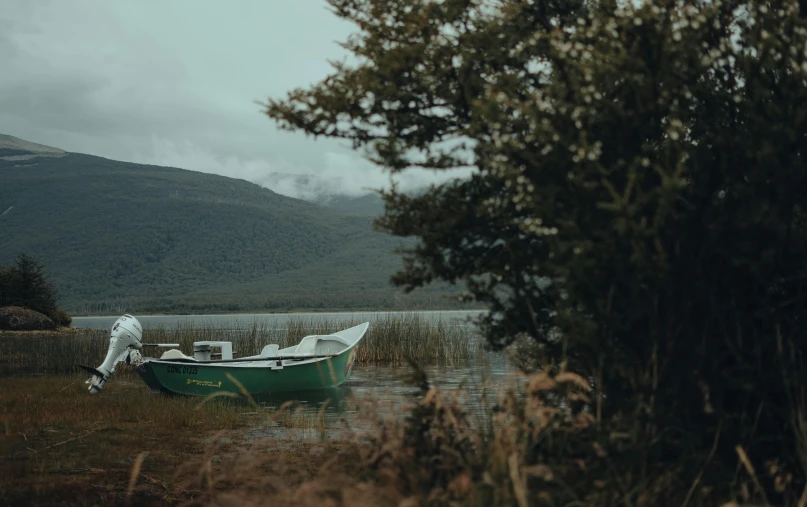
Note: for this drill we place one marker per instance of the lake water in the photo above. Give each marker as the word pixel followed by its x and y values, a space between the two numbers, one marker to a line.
pixel 374 392
pixel 272 320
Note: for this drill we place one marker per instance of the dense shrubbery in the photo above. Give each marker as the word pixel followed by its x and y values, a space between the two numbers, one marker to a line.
pixel 637 216
pixel 26 285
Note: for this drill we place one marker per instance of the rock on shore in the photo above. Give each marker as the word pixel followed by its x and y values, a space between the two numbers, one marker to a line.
pixel 16 318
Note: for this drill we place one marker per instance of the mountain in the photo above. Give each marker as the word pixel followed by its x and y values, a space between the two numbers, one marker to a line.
pixel 118 236
pixel 371 205
pixel 14 149
pixel 325 191
pixel 308 187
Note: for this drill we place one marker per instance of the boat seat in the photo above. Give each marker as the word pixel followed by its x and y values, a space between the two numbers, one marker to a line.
pixel 307 346
pixel 174 354
pixel 270 350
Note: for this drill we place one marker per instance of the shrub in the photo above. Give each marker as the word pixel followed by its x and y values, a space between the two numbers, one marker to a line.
pixel 637 210
pixel 61 317
pixel 25 284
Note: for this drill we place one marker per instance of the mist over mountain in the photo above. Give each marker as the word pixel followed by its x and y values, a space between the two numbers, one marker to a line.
pixel 331 192
pixel 331 179
pixel 118 236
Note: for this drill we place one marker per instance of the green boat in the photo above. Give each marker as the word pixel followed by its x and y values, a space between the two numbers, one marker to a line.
pixel 316 362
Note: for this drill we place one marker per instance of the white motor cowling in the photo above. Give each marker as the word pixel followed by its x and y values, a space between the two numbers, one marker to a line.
pixel 126 337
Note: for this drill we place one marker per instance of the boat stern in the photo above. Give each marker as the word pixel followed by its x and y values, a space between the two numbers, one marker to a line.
pixel 146 373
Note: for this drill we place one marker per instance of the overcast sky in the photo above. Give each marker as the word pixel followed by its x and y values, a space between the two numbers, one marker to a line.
pixel 174 82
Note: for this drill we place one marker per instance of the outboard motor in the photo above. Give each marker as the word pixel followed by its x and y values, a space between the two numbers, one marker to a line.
pixel 124 342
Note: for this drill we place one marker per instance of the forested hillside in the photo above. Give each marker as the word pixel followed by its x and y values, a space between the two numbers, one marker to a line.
pixel 117 235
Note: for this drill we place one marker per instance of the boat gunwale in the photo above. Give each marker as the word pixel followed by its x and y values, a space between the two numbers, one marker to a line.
pixel 249 363
pixel 286 361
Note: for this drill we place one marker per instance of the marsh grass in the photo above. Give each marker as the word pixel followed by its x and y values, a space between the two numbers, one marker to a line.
pixel 430 451
pixel 540 446
pixel 57 442
pixel 63 401
pixel 50 353
pixel 61 445
pixel 300 418
pixel 389 340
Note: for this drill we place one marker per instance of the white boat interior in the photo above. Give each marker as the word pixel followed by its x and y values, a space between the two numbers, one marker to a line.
pixel 202 351
pixel 312 345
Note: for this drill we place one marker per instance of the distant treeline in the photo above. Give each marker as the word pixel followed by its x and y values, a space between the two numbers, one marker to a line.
pixel 376 300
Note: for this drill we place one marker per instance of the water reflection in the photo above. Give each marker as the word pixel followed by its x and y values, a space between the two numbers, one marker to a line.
pixel 335 400
pixel 374 391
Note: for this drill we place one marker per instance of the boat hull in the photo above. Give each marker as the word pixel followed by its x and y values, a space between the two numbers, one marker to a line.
pixel 205 379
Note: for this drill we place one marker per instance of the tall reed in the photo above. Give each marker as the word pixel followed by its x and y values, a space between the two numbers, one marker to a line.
pixel 389 340
pixel 43 353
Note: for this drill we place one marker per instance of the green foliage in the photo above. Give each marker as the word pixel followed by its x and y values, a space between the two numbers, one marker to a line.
pixel 636 213
pixel 25 284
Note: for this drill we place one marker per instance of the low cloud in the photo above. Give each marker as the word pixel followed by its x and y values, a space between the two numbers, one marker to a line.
pixel 334 173
pixel 176 84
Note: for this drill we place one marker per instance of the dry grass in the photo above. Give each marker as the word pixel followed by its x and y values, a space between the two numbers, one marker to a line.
pixel 61 445
pixel 64 401
pixel 47 353
pixel 300 418
pixel 535 451
pixel 389 340
pixel 429 452
pixel 57 442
